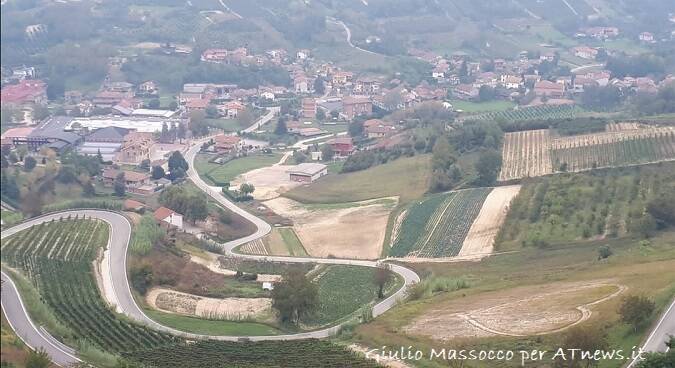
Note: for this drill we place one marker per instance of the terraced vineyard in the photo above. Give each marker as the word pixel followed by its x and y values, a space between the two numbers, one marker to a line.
pixel 542 112
pixel 534 153
pixel 437 226
pixel 57 258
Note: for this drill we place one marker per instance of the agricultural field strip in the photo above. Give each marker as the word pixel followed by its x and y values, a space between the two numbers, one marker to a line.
pixel 119 245
pixel 533 153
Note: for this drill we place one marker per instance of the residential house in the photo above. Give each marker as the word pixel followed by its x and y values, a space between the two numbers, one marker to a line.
pixel 122 87
pixel 168 218
pixel 646 37
pixel 301 84
pixel 136 147
pixel 16 136
pixel 226 143
pixel 148 88
pixel 132 179
pixel 132 205
pixel 580 83
pixel 465 91
pixel 73 97
pixel 602 33
pixel 231 109
pixel 376 128
pixel 549 89
pixel 302 54
pixel 511 81
pixel 367 86
pixel 108 99
pixel 28 91
pixel 585 52
pixel 341 78
pixel 197 105
pixel 353 106
pixel 342 146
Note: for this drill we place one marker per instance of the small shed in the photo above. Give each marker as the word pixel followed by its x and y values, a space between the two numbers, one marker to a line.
pixel 307 172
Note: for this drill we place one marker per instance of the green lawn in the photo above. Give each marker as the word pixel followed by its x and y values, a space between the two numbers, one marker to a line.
pixel 293 244
pixel 491 106
pixel 217 174
pixel 406 177
pixel 211 327
pixel 10 217
pixel 228 125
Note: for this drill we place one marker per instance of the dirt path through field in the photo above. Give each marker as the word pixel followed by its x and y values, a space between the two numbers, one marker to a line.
pixel 517 312
pixel 481 236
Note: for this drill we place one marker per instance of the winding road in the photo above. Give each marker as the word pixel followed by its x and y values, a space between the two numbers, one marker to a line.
pixel 118 242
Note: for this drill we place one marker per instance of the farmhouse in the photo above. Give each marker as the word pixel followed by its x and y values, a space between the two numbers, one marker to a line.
pixel 132 179
pixel 308 108
pixel 585 52
pixel 136 148
pixel 307 172
pixel 231 109
pixel 168 218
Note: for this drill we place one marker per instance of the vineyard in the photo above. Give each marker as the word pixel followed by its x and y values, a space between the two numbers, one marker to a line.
pixel 526 154
pixel 542 112
pixel 437 226
pixel 342 291
pixel 534 153
pixel 57 258
pixel 211 354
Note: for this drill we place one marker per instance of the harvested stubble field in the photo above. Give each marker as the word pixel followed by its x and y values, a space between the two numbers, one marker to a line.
pixel 171 301
pixel 535 153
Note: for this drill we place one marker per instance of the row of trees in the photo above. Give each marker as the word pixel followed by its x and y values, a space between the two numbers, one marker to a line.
pixel 191 204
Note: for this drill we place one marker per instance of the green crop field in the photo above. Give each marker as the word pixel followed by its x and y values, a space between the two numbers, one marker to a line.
pixel 57 259
pixel 574 207
pixel 406 177
pixel 217 174
pixel 491 106
pixel 293 244
pixel 542 112
pixel 437 226
pixel 343 290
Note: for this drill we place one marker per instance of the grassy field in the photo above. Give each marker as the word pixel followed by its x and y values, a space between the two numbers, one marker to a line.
pixel 217 174
pixel 345 289
pixel 406 177
pixel 644 269
pixel 584 206
pixel 211 327
pixel 292 242
pixel 491 106
pixel 10 217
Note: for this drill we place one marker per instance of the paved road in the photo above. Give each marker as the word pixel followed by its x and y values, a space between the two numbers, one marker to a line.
pixel 118 243
pixel 656 342
pixel 349 36
pixel 262 120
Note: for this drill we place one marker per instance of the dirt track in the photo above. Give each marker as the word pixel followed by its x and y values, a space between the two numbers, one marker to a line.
pixel 481 236
pixel 516 312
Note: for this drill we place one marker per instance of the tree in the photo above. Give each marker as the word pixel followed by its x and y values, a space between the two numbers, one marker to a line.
pixel 299 157
pixel 120 185
pixel 157 172
pixel 644 226
pixel 281 128
pixel 197 208
pixel 355 128
pixel 327 152
pixel 38 359
pixel 247 189
pixel 177 161
pixel 211 111
pixel 604 252
pixel 145 164
pixel 153 104
pixel 295 296
pixel 381 277
pixel 662 208
pixel 29 163
pixel 488 166
pixel 585 338
pixel 141 277
pixel 320 114
pixel 198 125
pixel 635 310
pixel 31 202
pixel 173 105
pixel 319 87
pixel 486 93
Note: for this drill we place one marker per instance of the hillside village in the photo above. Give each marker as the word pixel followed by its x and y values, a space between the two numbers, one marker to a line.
pixel 235 176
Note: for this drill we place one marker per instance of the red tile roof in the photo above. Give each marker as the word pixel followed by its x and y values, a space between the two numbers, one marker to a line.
pixel 163 212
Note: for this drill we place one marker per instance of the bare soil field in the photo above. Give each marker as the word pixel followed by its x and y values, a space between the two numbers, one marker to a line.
pixel 269 181
pixel 167 300
pixel 522 311
pixel 350 230
pixel 481 236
